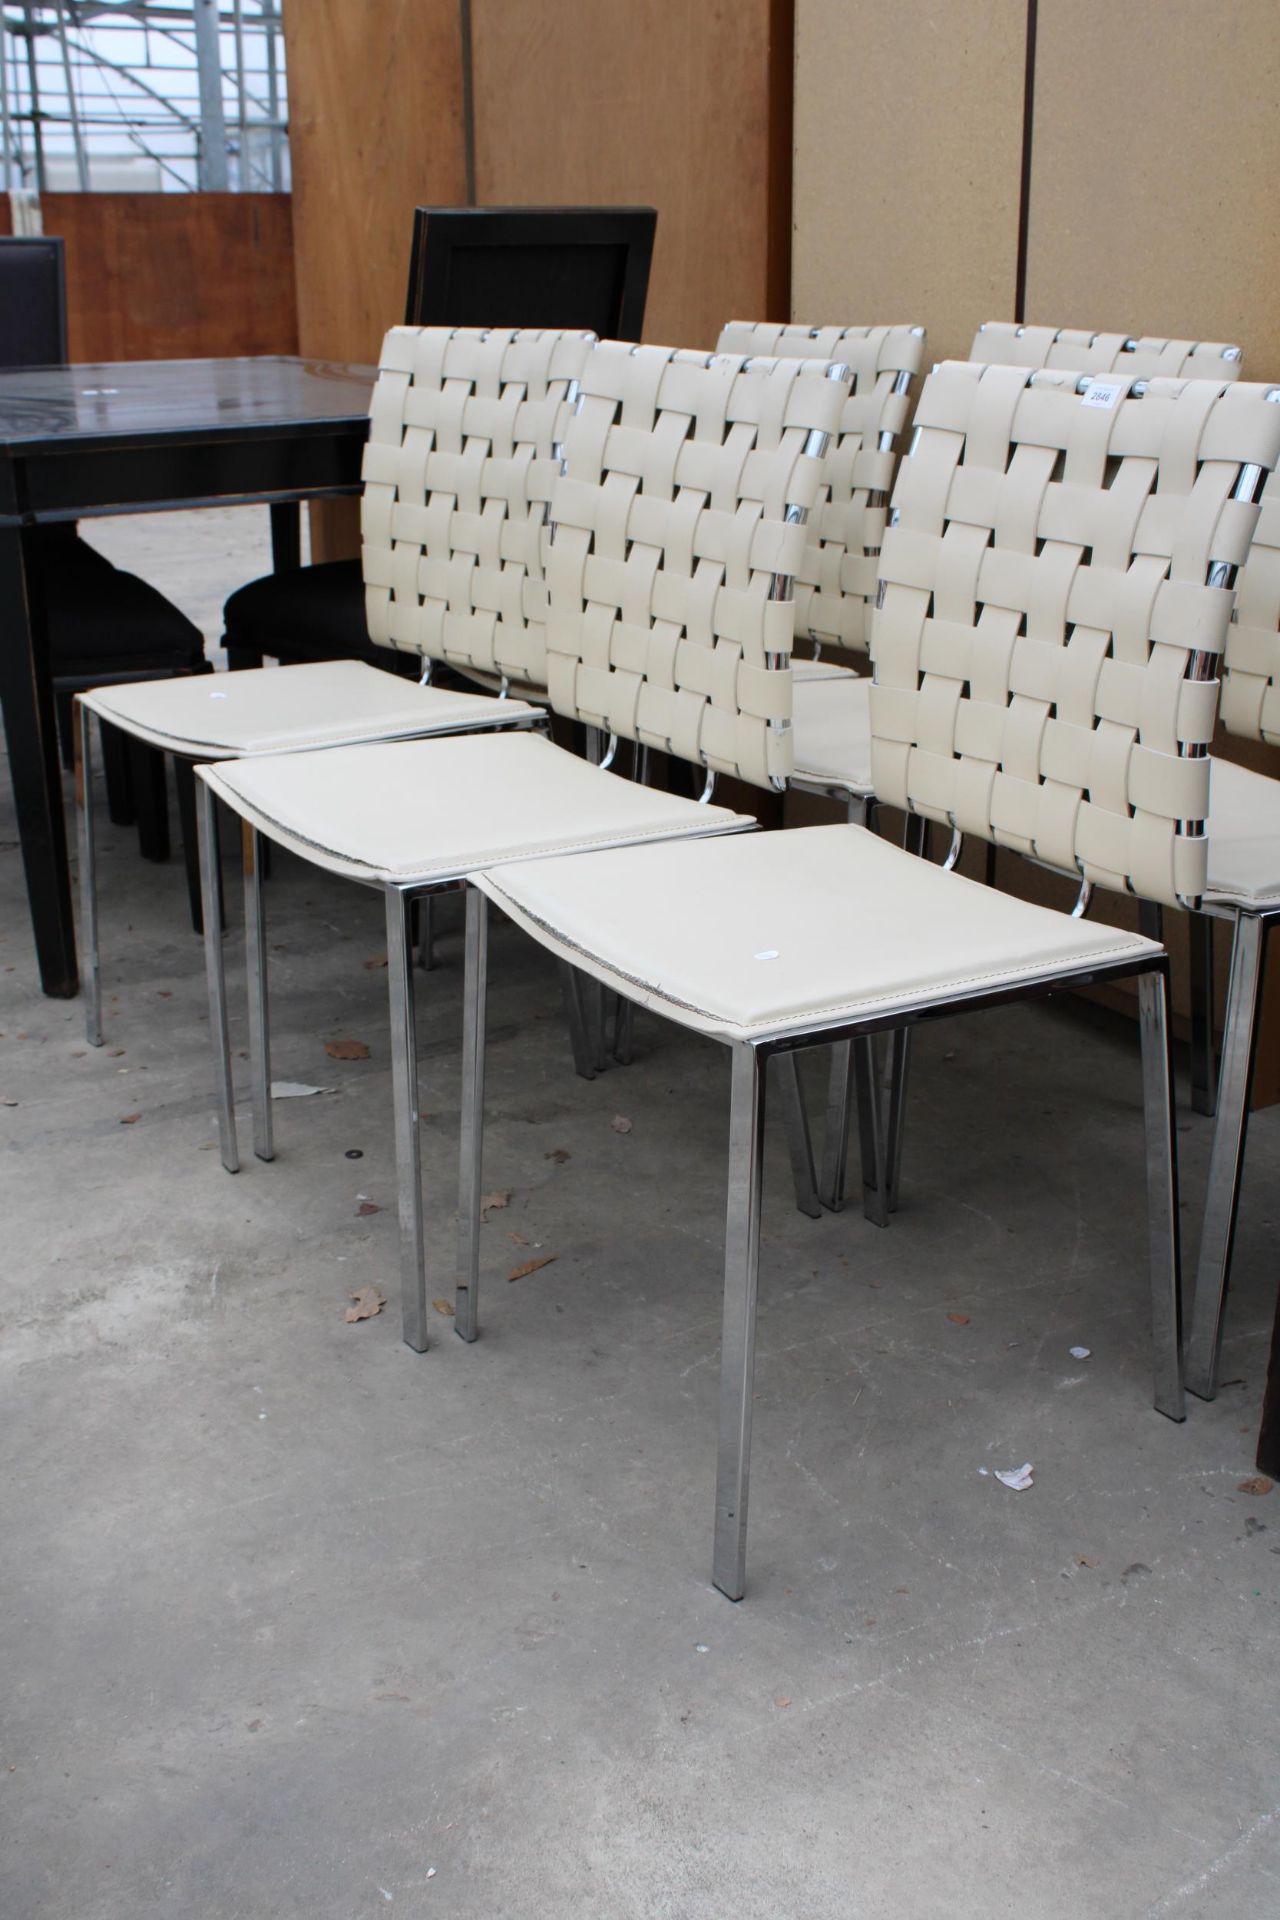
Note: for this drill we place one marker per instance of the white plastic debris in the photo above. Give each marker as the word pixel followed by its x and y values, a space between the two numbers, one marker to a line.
pixel 1080 1353
pixel 702 1647
pixel 1019 1478
pixel 295 1090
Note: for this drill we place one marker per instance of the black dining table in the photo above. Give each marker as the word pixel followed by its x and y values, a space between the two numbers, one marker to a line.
pixel 137 437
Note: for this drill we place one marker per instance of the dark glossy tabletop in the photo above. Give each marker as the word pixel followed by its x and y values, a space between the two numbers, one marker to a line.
pixel 54 409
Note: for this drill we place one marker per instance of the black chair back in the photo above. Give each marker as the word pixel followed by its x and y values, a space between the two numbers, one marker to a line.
pixel 531 267
pixel 33 304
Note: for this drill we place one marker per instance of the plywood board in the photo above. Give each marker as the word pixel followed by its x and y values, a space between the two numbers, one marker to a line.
pixel 908 142
pixel 174 276
pixel 375 129
pixel 1155 158
pixel 653 102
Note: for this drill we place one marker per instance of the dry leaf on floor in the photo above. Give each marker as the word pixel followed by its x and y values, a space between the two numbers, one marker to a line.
pixel 1257 1483
pixel 1084 1560
pixel 346 1049
pixel 8 1103
pixel 115 1053
pixel 127 1120
pixel 531 1266
pixel 367 1207
pixel 620 1123
pixel 781 1700
pixel 491 1202
pixel 380 960
pixel 521 1239
pixel 959 1319
pixel 558 1154
pixel 365 1304
pixel 443 1306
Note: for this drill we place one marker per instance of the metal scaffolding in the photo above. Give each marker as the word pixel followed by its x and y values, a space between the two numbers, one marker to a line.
pixel 143 95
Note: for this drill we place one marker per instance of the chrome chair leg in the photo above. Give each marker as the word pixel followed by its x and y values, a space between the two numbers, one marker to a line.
pixel 1226 1157
pixel 835 1133
pixel 404 1083
pixel 871 1140
pixel 1204 1091
pixel 738 1342
pixel 425 908
pixel 624 1013
pixel 1159 1119
pixel 899 1059
pixel 471 1148
pixel 571 989
pixel 799 1143
pixel 255 955
pixel 215 972
pixel 90 968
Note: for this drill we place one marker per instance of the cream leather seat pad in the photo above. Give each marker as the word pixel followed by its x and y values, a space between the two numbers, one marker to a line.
pixel 278 709
pixel 1244 834
pixel 436 809
pixel 750 937
pixel 831 725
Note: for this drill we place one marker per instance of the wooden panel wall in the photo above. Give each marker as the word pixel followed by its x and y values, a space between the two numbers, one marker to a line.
pixel 908 141
pixel 654 102
pixel 401 103
pixel 1153 200
pixel 375 129
pixel 173 276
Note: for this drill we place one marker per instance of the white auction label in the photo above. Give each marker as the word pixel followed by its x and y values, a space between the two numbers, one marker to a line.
pixel 1103 393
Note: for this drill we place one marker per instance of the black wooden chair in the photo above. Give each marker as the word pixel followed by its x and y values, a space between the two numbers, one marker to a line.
pixel 570 267
pixel 103 624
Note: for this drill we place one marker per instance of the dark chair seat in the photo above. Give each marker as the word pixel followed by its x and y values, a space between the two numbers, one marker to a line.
pixel 300 614
pixel 105 621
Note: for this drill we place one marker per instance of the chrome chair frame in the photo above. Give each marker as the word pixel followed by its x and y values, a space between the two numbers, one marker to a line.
pixel 583 1001
pixel 745 1184
pixel 1231 1125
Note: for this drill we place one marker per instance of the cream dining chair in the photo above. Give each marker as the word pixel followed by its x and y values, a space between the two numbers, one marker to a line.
pixel 834 594
pixel 1000 343
pixel 714 463
pixel 1055 594
pixel 1244 888
pixel 520 380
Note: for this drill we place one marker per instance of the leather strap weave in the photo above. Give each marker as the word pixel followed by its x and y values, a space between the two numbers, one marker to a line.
pixel 836 585
pixel 458 471
pixel 678 525
pixel 1001 343
pixel 1251 671
pixel 1047 615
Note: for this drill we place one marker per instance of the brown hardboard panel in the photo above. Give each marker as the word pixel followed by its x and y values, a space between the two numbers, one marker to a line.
pixel 173 276
pixel 375 129
pixel 1155 170
pixel 652 102
pixel 908 143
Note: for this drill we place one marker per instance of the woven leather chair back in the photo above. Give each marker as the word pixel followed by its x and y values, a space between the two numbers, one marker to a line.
pixel 999 343
pixel 836 585
pixel 458 469
pixel 678 527
pixel 1046 649
pixel 1250 704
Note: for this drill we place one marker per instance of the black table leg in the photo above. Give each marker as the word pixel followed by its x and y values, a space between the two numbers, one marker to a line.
pixel 26 695
pixel 286 535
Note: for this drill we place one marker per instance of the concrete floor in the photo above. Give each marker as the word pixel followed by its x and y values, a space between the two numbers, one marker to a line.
pixel 300 1623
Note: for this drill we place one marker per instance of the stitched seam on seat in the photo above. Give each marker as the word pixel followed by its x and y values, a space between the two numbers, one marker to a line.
pixel 874 1000
pixel 483 861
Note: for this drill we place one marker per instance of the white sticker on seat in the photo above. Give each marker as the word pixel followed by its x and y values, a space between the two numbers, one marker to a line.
pixel 1102 393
